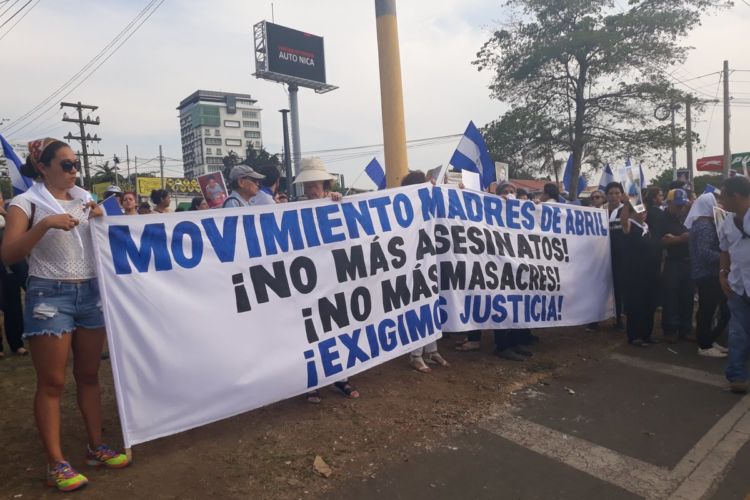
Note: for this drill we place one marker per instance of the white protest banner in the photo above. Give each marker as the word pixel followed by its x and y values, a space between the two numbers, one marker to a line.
pixel 213 313
pixel 512 264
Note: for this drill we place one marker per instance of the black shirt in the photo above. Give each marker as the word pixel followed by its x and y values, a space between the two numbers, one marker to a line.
pixel 671 224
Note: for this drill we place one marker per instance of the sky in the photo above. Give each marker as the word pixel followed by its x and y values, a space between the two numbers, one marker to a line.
pixel 189 44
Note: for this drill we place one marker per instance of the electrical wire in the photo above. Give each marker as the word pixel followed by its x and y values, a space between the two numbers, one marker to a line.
pixel 19 20
pixel 16 13
pixel 114 43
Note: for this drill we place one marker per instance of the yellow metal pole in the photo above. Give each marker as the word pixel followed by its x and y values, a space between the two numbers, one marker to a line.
pixel 391 93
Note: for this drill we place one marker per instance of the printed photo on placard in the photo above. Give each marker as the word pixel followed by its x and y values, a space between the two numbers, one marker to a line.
pixel 213 188
pixel 629 179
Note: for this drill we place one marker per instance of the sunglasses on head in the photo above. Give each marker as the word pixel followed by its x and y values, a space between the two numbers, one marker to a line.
pixel 68 165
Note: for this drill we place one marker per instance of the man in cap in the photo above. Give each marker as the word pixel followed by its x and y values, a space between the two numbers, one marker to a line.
pixel 244 183
pixel 678 294
pixel 113 191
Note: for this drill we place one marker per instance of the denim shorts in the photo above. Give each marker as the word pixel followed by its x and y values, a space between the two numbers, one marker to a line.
pixel 55 307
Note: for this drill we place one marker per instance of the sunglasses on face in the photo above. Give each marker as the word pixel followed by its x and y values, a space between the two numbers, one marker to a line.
pixel 68 165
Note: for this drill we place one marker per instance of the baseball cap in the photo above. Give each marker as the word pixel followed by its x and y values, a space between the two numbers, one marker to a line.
pixel 241 171
pixel 678 196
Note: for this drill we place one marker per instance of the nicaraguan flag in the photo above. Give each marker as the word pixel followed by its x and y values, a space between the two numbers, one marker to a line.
pixel 375 172
pixel 607 177
pixel 472 155
pixel 111 206
pixel 18 181
pixel 644 184
pixel 568 174
pixel 711 189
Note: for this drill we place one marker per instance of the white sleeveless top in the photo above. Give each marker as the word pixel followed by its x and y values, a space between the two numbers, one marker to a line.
pixel 58 255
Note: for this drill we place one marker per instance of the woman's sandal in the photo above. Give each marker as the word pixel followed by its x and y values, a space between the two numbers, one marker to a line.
pixel 437 359
pixel 419 365
pixel 22 351
pixel 468 346
pixel 346 389
pixel 313 397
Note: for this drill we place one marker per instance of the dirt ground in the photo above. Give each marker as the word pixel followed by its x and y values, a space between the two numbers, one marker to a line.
pixel 269 452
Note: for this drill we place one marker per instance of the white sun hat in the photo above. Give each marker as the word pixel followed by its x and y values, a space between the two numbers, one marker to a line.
pixel 311 170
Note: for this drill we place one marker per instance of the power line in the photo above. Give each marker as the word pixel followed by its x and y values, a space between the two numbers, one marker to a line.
pixel 19 20
pixel 6 9
pixel 88 65
pixel 451 136
pixel 16 13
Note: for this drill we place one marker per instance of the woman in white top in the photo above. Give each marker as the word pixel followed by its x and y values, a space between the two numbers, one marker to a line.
pixel 49 224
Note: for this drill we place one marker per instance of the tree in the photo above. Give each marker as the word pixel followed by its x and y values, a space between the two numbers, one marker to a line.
pixel 254 158
pixel 105 173
pixel 588 78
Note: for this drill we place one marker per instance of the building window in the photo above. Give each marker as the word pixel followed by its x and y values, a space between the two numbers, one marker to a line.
pixel 245 102
pixel 231 123
pixel 251 124
pixel 214 160
pixel 233 142
pixel 213 142
pixel 252 135
pixel 208 151
pixel 249 114
pixel 217 132
pixel 207 132
pixel 218 151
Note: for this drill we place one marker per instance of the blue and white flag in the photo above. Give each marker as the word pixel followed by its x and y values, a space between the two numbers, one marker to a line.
pixel 568 174
pixel 111 206
pixel 607 177
pixel 472 155
pixel 644 184
pixel 18 181
pixel 375 172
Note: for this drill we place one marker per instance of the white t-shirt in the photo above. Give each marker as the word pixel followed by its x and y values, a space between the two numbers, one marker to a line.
pixel 732 241
pixel 58 255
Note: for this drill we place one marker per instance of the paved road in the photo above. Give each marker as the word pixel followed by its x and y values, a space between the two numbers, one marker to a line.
pixel 651 423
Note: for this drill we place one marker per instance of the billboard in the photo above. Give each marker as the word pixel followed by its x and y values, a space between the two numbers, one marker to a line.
pixel 295 53
pixel 740 161
pixel 290 56
pixel 187 187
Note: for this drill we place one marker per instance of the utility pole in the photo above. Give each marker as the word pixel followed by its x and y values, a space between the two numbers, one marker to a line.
pixel 161 166
pixel 674 143
pixel 391 92
pixel 727 148
pixel 689 131
pixel 127 161
pixel 135 184
pixel 83 138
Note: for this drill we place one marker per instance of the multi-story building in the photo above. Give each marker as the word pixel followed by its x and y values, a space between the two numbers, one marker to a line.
pixel 213 124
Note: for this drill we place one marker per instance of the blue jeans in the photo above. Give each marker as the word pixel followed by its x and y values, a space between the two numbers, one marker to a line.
pixel 58 307
pixel 739 339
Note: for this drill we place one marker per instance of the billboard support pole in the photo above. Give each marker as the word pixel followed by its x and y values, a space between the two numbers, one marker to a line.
pixel 391 93
pixel 294 114
pixel 287 152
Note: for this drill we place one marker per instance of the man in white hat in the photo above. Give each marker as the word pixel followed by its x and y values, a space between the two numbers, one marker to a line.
pixel 316 181
pixel 245 183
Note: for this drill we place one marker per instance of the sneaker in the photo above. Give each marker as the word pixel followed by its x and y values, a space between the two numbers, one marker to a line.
pixel 64 477
pixel 638 343
pixel 509 355
pixel 738 387
pixel 104 456
pixel 712 352
pixel 720 347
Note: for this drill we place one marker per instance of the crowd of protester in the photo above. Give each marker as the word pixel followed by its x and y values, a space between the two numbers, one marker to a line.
pixel 662 254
